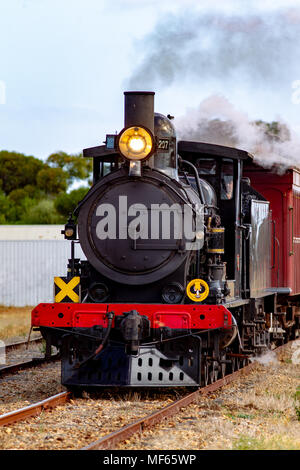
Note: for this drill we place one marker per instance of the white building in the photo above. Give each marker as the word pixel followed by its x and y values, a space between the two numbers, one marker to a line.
pixel 31 255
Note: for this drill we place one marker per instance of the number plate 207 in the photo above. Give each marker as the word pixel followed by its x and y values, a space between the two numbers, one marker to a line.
pixel 163 144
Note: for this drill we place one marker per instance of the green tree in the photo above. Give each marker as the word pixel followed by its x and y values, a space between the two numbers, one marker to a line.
pixel 18 170
pixel 52 180
pixel 75 165
pixel 5 207
pixel 28 187
pixel 20 201
pixel 274 130
pixel 18 195
pixel 66 203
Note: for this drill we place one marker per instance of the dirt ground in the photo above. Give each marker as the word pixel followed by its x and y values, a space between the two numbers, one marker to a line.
pixel 260 411
pixel 14 322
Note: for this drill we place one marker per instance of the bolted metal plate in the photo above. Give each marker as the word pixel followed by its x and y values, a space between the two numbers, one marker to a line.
pixel 177 365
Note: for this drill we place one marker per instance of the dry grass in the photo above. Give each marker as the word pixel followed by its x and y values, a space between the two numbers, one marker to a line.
pixel 14 322
pixel 276 442
pixel 261 411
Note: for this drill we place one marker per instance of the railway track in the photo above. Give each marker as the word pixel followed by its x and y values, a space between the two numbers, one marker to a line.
pixel 116 437
pixel 35 409
pixel 112 439
pixel 26 364
pixel 18 344
pixel 34 362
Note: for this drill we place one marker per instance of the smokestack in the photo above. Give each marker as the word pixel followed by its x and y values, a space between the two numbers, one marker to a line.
pixel 139 109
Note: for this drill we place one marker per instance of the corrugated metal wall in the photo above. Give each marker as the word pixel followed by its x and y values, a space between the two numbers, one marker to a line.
pixel 28 267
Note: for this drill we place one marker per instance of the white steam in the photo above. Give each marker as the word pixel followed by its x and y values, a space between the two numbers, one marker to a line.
pixel 267 358
pixel 217 121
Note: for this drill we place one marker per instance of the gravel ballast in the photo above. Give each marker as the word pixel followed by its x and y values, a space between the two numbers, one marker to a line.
pixel 259 411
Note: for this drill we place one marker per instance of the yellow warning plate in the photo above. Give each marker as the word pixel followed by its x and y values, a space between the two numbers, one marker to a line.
pixel 67 289
pixel 197 290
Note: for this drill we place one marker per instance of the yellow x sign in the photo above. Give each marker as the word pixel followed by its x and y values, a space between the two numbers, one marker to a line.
pixel 66 289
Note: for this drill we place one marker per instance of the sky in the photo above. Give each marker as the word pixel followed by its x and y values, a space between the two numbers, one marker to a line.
pixel 64 64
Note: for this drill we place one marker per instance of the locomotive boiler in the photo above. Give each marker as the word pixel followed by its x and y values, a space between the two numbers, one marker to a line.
pixel 175 289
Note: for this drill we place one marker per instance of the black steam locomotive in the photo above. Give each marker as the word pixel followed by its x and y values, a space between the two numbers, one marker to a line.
pixel 175 289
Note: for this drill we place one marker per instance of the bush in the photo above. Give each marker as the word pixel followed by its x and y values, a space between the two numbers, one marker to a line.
pixel 43 212
pixel 66 203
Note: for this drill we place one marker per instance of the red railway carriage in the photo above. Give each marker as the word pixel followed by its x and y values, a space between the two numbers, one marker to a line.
pixel 283 192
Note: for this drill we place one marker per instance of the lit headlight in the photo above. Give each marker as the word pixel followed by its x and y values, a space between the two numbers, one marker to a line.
pixel 69 232
pixel 136 143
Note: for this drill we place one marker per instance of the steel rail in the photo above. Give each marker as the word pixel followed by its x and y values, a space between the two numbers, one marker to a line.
pixel 34 409
pixel 138 426
pixel 34 362
pixel 19 344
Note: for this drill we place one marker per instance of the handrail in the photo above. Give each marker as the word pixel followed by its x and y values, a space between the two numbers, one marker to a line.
pixel 291 210
pixel 274 239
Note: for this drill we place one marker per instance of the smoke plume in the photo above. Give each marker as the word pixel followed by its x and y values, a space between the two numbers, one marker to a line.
pixel 254 51
pixel 261 50
pixel 217 121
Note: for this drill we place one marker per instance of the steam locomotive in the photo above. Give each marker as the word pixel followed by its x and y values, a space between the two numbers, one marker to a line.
pixel 186 274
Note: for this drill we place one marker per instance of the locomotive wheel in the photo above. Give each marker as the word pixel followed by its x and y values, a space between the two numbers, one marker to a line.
pixel 223 365
pixel 205 374
pixel 232 366
pixel 76 391
pixel 213 372
pixel 242 363
pixel 210 372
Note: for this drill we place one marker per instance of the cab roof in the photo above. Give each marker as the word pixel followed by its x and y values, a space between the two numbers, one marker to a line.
pixel 212 150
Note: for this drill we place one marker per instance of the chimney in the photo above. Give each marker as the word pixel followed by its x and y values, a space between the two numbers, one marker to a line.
pixel 139 109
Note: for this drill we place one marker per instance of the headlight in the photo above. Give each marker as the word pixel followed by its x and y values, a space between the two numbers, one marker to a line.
pixel 69 232
pixel 136 143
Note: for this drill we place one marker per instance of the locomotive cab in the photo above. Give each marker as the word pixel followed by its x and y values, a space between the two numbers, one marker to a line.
pixel 246 218
pixel 222 167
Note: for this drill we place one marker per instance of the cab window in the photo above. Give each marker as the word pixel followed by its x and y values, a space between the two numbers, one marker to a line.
pixel 227 179
pixel 106 168
pixel 206 166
